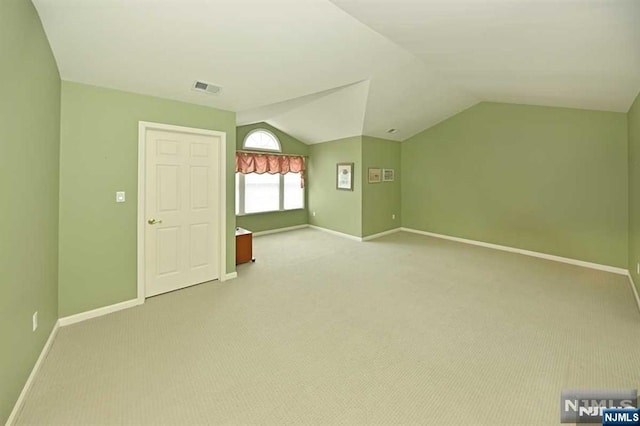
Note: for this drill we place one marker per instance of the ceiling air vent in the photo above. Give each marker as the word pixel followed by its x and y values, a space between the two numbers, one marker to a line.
pixel 202 86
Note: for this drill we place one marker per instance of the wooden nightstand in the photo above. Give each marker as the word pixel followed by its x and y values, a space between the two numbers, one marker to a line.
pixel 244 246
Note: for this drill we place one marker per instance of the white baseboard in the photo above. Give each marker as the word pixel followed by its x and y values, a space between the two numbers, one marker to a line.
pixel 330 231
pixel 278 230
pixel 353 237
pixel 230 276
pixel 339 234
pixel 43 354
pixel 607 268
pixel 83 316
pixel 381 234
pixel 635 291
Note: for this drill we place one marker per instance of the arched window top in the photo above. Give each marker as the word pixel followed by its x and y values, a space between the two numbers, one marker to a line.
pixel 263 140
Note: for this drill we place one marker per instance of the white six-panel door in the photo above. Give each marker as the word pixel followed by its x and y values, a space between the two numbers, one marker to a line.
pixel 182 232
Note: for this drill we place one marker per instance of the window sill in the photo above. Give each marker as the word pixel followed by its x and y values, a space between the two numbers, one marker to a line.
pixel 272 211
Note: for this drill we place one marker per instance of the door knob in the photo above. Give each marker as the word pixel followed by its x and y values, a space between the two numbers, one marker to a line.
pixel 153 221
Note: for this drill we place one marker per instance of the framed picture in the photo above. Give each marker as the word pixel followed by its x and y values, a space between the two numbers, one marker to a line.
pixel 375 175
pixel 388 175
pixel 344 176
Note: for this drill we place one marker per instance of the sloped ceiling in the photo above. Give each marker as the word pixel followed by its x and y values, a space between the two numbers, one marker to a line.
pixel 337 115
pixel 328 115
pixel 323 70
pixel 567 53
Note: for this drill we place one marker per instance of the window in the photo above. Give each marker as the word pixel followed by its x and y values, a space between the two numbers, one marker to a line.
pixel 261 192
pixel 263 140
pixel 293 191
pixel 266 192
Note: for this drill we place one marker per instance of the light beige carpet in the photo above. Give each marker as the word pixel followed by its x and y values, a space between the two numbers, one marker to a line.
pixel 404 329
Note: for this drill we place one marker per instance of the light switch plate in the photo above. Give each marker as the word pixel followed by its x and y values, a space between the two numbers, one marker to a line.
pixel 120 197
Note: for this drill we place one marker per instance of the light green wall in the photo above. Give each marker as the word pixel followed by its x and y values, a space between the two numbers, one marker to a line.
pixel 335 209
pixel 274 220
pixel 551 180
pixel 99 156
pixel 369 208
pixel 380 200
pixel 29 133
pixel 634 189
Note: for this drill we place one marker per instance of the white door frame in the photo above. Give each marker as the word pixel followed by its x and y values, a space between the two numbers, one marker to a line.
pixel 143 126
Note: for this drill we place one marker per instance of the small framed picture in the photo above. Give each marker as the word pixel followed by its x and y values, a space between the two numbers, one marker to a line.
pixel 388 175
pixel 344 176
pixel 375 175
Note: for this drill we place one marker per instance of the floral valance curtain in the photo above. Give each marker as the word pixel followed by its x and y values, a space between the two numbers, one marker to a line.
pixel 250 162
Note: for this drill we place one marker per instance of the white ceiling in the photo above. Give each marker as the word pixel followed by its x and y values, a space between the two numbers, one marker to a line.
pixel 337 114
pixel 568 53
pixel 322 71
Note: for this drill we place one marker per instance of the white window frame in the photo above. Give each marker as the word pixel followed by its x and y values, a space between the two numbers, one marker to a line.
pixel 244 142
pixel 241 198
